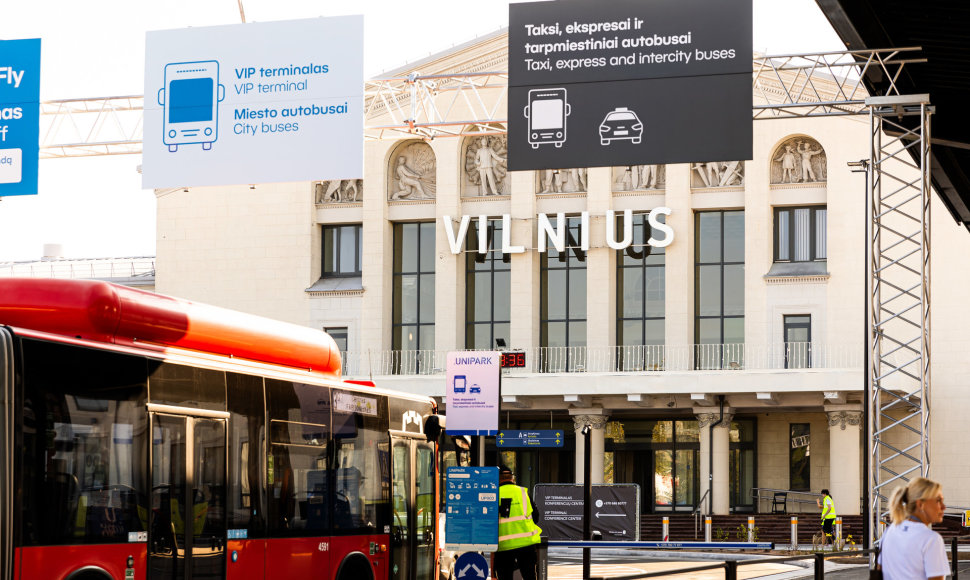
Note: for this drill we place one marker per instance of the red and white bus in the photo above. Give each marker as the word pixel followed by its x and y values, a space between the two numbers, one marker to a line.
pixel 147 437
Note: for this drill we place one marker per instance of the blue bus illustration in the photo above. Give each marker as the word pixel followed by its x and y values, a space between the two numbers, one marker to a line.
pixel 191 96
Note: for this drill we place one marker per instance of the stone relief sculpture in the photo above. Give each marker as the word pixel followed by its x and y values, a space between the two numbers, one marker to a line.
pixel 562 180
pixel 798 160
pixel 634 177
pixel 339 191
pixel 717 174
pixel 411 174
pixel 485 165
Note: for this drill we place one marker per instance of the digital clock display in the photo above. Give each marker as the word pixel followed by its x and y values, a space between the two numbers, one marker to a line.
pixel 512 360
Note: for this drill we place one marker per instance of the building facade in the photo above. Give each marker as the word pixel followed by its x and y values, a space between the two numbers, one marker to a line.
pixel 705 319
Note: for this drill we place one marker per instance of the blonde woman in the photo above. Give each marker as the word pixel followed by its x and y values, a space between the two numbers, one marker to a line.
pixel 909 548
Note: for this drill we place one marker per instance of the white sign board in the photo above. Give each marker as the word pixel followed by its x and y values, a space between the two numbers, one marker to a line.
pixel 254 103
pixel 473 392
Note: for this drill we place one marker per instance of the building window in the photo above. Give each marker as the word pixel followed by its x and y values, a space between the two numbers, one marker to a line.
pixel 562 304
pixel 341 250
pixel 413 294
pixel 488 290
pixel 799 457
pixel 798 341
pixel 339 335
pixel 743 463
pixel 640 301
pixel 719 289
pixel 800 234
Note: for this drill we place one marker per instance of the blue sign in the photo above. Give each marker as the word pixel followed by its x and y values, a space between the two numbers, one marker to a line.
pixel 19 116
pixel 471 566
pixel 471 514
pixel 533 438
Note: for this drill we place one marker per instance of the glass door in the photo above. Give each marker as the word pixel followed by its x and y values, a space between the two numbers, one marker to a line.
pixel 413 507
pixel 187 527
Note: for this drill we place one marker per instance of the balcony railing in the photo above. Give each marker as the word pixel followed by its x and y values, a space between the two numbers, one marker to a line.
pixel 625 359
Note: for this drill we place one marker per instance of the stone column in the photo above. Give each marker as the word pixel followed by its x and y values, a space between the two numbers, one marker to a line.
pixel 721 493
pixel 845 462
pixel 597 420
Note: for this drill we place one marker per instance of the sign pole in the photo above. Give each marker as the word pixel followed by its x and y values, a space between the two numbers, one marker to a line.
pixel 587 493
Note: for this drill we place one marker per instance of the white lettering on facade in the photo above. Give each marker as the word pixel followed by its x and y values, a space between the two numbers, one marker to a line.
pixel 546 232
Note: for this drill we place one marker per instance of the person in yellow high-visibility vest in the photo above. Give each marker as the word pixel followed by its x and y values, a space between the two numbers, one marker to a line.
pixel 828 514
pixel 517 532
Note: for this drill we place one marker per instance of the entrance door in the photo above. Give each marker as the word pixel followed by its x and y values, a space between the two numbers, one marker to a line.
pixel 412 504
pixel 187 527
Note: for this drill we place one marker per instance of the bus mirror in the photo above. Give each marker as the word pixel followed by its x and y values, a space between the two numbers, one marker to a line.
pixel 433 426
pixel 463 446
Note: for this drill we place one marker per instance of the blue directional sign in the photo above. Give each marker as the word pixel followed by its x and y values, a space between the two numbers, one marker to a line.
pixel 471 515
pixel 471 566
pixel 19 116
pixel 533 438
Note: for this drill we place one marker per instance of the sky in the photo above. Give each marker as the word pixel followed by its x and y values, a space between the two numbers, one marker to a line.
pixel 94 207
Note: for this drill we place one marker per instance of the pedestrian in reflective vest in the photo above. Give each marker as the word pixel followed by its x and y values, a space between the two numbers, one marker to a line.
pixel 828 515
pixel 518 534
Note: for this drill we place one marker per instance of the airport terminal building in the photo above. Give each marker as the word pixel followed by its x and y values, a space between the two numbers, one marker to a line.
pixel 705 319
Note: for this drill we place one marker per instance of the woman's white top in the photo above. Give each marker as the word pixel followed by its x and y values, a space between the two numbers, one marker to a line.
pixel 911 550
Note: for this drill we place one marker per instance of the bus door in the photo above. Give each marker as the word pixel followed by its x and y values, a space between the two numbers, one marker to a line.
pixel 413 523
pixel 187 526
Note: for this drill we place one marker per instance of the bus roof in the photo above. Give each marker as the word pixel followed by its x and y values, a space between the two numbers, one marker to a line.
pixel 105 312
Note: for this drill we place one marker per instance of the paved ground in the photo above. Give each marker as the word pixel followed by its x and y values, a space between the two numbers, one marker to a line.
pixel 568 567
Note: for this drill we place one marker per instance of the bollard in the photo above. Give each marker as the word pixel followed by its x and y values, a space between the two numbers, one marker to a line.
pixel 707 528
pixel 955 574
pixel 819 566
pixel 731 570
pixel 542 557
pixel 750 528
pixel 666 529
pixel 794 533
pixel 838 532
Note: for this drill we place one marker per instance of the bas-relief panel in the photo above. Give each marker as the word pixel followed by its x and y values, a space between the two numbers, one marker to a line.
pixel 717 174
pixel 412 172
pixel 561 180
pixel 639 177
pixel 485 171
pixel 798 160
pixel 338 191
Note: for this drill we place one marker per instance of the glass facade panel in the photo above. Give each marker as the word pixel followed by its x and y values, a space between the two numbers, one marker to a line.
pixel 684 475
pixel 709 282
pixel 413 297
pixel 348 250
pixel 734 290
pixel 709 236
pixel 800 234
pixel 719 288
pixel 641 298
pixel 734 236
pixel 488 289
pixel 799 457
pixel 782 236
pixel 341 250
pixel 562 299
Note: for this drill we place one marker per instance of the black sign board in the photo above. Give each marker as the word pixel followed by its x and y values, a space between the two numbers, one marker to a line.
pixel 615 511
pixel 627 82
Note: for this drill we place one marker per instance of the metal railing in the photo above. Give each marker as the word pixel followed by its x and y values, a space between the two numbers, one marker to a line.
pixel 626 359
pixel 99 269
pixel 767 494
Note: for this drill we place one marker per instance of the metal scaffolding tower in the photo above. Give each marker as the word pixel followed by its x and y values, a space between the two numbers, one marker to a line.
pixel 898 309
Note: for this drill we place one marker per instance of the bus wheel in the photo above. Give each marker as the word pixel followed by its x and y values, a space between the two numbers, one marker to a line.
pixel 355 566
pixel 89 573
